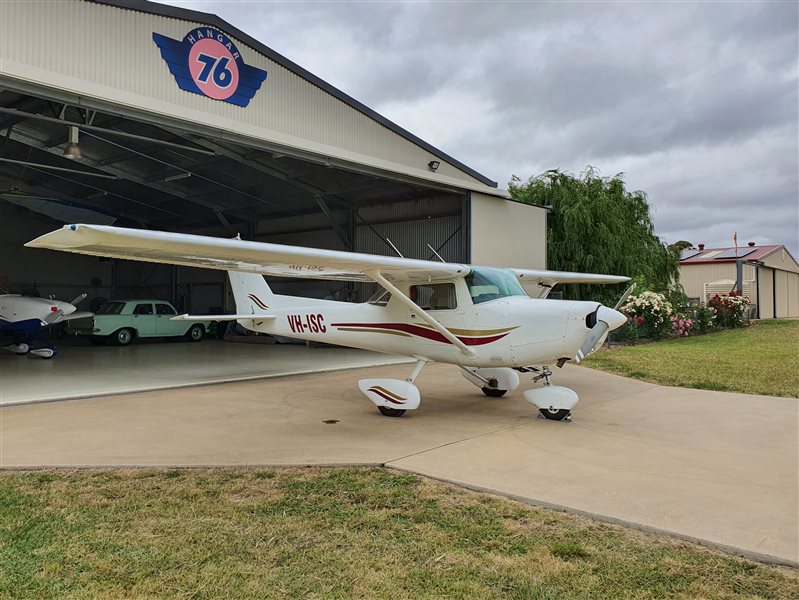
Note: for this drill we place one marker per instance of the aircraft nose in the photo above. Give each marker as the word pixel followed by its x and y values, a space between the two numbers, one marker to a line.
pixel 612 317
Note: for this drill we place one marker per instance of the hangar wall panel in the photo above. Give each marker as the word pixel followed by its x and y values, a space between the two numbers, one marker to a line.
pixel 507 234
pixel 781 259
pixel 793 294
pixel 63 275
pixel 106 54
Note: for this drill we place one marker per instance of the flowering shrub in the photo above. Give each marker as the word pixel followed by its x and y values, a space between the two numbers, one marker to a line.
pixel 729 310
pixel 650 311
pixel 681 326
pixel 704 319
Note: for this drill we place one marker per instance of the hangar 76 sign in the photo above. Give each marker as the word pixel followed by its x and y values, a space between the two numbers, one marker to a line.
pixel 208 63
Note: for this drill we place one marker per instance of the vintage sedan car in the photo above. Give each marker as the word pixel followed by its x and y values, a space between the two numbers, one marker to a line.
pixel 122 321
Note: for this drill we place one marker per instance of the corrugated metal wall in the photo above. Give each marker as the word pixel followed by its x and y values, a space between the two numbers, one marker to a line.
pixel 107 53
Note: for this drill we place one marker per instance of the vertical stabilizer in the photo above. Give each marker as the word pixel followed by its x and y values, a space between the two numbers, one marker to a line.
pixel 251 292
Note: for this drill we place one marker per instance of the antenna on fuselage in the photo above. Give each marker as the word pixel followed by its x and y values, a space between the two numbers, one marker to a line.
pixel 436 253
pixel 393 247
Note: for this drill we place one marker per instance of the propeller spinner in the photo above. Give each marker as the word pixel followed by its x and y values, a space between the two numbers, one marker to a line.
pixel 602 320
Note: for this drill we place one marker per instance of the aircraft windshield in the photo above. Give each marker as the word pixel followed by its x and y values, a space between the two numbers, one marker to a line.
pixel 489 284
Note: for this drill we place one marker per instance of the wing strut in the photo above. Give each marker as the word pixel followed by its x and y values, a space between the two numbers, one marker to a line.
pixel 378 277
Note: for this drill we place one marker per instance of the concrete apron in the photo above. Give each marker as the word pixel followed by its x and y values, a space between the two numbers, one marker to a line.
pixel 720 468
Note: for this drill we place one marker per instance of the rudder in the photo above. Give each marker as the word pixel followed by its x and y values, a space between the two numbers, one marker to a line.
pixel 251 292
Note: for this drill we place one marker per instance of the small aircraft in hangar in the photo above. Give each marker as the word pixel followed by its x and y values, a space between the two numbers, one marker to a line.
pixel 26 320
pixel 478 318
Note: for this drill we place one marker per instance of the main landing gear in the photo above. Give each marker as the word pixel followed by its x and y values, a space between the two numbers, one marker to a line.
pixel 394 396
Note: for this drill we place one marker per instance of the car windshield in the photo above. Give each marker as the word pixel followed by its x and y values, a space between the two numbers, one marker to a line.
pixel 489 284
pixel 111 308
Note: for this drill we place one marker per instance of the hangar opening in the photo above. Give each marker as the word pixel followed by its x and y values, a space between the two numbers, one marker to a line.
pixel 143 115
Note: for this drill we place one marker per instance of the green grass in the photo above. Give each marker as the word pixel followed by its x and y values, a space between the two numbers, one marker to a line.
pixel 323 533
pixel 760 359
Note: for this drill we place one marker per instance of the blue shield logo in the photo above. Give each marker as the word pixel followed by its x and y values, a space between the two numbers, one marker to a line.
pixel 207 62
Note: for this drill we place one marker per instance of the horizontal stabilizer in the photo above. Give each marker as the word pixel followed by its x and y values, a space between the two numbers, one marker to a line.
pixel 222 317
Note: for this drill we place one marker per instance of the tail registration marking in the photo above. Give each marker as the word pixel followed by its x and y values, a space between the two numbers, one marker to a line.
pixel 307 323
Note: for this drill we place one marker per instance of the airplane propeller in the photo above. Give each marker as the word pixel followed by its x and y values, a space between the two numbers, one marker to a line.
pixel 601 320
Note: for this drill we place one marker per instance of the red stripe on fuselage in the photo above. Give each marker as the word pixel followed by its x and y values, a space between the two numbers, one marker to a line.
pixel 430 334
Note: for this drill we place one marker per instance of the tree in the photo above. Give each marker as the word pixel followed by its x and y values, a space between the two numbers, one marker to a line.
pixel 596 226
pixel 680 246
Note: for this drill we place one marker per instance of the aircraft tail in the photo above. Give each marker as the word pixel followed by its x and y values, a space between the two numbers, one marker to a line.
pixel 252 294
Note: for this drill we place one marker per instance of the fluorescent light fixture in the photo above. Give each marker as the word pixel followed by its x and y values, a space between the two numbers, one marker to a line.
pixel 184 175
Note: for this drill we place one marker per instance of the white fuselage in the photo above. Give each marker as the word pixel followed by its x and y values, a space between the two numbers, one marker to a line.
pixel 515 331
pixel 29 310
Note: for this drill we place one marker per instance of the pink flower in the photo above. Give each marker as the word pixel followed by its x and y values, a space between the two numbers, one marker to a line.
pixel 639 320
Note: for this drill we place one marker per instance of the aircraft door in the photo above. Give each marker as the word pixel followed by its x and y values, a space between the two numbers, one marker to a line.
pixel 440 300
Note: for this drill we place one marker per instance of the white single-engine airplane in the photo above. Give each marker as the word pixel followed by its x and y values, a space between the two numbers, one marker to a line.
pixel 478 318
pixel 26 319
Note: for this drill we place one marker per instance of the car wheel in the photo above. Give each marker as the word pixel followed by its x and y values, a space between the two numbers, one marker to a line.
pixel 123 337
pixel 196 333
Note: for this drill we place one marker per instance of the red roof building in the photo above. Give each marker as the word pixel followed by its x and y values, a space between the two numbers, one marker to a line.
pixel 770 276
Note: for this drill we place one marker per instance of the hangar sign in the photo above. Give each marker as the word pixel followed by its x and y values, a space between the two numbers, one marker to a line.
pixel 207 62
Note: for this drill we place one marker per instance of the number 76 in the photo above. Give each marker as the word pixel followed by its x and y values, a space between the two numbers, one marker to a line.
pixel 221 74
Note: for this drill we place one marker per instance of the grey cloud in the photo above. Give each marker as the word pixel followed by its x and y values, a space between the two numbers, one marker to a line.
pixel 696 102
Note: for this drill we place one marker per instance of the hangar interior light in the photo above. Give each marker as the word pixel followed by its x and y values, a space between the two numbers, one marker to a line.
pixel 72 150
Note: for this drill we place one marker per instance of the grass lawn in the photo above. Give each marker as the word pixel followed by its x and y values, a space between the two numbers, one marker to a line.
pixel 760 359
pixel 324 533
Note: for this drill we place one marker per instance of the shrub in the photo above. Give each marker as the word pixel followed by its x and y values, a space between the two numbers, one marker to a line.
pixel 681 326
pixel 729 310
pixel 650 311
pixel 704 319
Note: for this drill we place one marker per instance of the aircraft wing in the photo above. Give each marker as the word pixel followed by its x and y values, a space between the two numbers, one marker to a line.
pixel 271 259
pixel 239 255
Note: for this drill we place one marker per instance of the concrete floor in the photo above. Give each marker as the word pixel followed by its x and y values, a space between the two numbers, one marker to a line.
pixel 82 370
pixel 713 466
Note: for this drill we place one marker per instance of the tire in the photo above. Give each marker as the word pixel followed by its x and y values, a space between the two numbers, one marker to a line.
pixel 493 392
pixel 123 337
pixel 555 414
pixel 387 411
pixel 196 333
pixel 98 340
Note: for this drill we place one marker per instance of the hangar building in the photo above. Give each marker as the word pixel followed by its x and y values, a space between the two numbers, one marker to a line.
pixel 144 115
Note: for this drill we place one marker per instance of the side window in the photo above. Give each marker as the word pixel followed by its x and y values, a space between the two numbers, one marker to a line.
pixel 164 309
pixel 143 309
pixel 434 296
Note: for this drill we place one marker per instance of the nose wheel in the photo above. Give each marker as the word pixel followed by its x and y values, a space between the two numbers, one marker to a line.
pixel 555 414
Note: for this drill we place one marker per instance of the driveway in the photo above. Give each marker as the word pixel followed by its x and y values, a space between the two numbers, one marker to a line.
pixel 712 466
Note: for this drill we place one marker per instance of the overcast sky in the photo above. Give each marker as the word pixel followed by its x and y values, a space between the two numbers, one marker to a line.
pixel 696 103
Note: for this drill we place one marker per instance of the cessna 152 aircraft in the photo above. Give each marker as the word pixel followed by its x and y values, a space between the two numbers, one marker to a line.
pixel 26 319
pixel 480 319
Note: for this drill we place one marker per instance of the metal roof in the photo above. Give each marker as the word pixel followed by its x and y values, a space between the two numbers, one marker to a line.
pixel 154 176
pixel 727 254
pixel 213 20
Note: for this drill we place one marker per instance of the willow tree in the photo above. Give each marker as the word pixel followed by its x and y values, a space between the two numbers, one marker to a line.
pixel 596 226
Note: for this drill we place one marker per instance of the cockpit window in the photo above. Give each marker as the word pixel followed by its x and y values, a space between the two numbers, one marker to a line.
pixel 489 284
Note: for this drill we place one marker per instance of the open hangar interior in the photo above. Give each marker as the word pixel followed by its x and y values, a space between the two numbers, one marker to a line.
pixel 95 127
